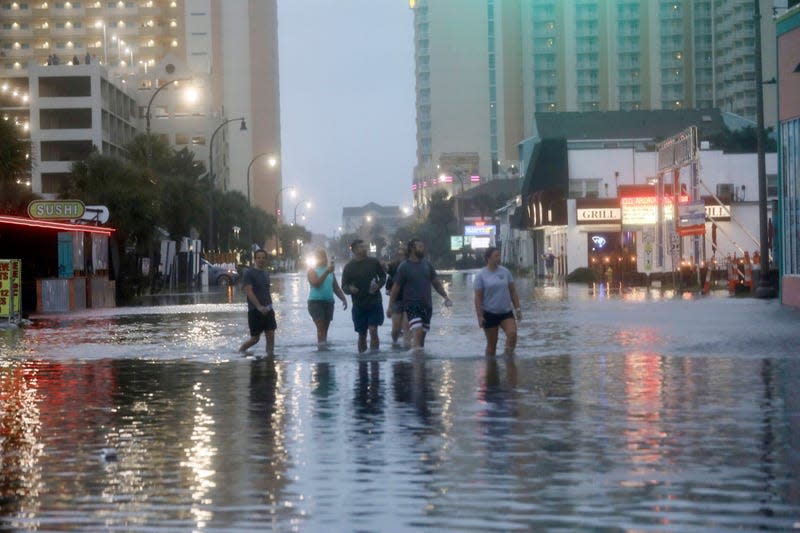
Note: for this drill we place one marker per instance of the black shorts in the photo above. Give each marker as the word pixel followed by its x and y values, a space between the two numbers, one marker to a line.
pixel 259 322
pixel 320 310
pixel 419 316
pixel 493 320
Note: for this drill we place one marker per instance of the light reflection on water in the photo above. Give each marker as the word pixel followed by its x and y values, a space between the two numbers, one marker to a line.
pixel 621 412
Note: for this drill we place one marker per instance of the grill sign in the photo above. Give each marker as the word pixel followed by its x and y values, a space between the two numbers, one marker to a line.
pixel 56 209
pixel 598 215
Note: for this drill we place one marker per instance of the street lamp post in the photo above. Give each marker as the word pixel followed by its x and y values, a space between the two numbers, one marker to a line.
pixel 147 117
pixel 272 161
pixel 764 289
pixel 294 220
pixel 278 216
pixel 243 127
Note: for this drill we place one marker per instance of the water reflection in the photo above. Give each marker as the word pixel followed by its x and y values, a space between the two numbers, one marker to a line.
pixel 643 414
pixel 412 386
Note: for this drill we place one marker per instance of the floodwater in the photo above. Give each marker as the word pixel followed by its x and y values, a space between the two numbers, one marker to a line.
pixel 633 412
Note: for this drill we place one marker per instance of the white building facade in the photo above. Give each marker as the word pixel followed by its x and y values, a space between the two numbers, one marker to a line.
pixel 75 110
pixel 596 237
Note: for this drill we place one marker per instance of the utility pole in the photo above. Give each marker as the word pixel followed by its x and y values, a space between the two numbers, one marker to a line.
pixel 765 288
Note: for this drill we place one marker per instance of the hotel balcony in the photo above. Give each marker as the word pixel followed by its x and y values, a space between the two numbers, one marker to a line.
pixel 64 13
pixel 17 53
pixel 68 33
pixel 153 11
pixel 121 11
pixel 18 33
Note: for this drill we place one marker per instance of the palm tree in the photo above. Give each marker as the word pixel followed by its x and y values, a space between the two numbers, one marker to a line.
pixel 124 188
pixel 486 204
pixel 15 165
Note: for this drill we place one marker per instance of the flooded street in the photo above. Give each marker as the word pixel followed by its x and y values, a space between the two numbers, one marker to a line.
pixel 633 412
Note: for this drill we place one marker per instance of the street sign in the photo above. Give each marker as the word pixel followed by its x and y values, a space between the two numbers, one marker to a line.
pixel 56 209
pixel 674 243
pixel 692 218
pixel 678 150
pixel 96 213
pixel 10 283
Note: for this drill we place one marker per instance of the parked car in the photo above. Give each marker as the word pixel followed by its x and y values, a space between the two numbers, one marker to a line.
pixel 220 275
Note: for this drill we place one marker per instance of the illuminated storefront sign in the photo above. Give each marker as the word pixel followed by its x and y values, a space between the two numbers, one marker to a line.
pixel 636 212
pixel 56 209
pixel 640 211
pixel 603 215
pixel 477 231
pixel 476 242
pixel 10 277
pixel 480 243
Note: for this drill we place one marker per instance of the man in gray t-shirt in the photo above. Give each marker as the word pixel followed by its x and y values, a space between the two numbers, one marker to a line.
pixel 260 315
pixel 414 279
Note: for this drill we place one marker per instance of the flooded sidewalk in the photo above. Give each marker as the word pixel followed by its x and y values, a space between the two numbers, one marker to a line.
pixel 638 411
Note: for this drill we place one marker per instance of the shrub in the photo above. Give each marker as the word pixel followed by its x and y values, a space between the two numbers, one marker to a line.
pixel 583 275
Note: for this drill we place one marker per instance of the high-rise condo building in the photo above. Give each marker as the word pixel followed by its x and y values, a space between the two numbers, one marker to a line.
pixel 79 58
pixel 484 67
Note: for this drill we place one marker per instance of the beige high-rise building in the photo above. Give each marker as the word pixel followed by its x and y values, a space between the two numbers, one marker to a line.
pixel 484 67
pixel 228 53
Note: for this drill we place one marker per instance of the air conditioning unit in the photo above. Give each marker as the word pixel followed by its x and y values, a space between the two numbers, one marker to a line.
pixel 725 191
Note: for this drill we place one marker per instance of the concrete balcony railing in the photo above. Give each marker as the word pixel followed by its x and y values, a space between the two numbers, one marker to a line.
pixel 17 53
pixel 63 13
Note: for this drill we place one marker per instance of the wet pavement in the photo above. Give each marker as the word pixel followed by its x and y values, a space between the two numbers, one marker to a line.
pixel 634 412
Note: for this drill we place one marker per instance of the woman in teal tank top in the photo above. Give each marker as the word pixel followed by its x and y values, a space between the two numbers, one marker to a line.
pixel 323 286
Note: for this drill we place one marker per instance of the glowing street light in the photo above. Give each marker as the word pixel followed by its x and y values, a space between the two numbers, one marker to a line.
pixel 307 204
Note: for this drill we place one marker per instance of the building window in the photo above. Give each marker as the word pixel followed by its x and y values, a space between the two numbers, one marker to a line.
pixel 585 188
pixel 51 182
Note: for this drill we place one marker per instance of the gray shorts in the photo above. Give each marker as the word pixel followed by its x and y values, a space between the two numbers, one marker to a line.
pixel 320 310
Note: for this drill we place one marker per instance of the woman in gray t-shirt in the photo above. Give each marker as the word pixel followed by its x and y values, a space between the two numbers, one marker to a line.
pixel 496 302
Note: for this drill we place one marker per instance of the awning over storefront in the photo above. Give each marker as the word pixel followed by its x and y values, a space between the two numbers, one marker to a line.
pixel 23 222
pixel 546 183
pixel 548 168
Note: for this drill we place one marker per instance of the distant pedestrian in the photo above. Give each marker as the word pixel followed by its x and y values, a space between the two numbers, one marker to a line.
pixel 549 263
pixel 496 302
pixel 75 60
pixel 362 279
pixel 320 296
pixel 399 319
pixel 260 314
pixel 415 277
pixel 87 58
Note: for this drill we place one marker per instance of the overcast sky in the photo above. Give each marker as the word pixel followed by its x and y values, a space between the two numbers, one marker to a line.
pixel 347 105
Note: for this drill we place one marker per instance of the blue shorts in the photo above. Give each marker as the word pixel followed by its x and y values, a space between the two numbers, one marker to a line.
pixel 364 317
pixel 419 316
pixel 398 307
